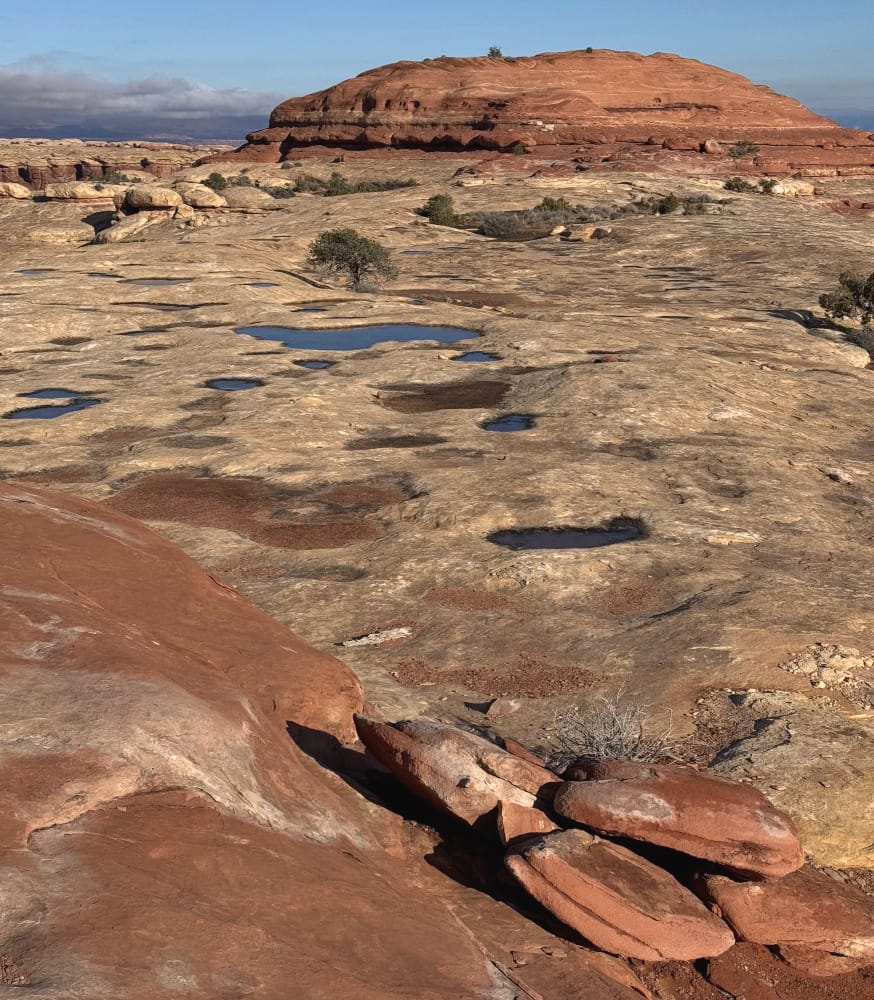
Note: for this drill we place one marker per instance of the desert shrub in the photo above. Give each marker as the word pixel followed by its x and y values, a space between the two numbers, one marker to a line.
pixel 346 251
pixel 743 148
pixel 145 162
pixel 337 185
pixel 738 184
pixel 439 209
pixel 216 181
pixel 502 225
pixel 668 205
pixel 554 205
pixel 589 50
pixel 852 299
pixel 767 185
pixel 609 727
pixel 518 149
pixel 308 184
pixel 495 52
pixel 278 190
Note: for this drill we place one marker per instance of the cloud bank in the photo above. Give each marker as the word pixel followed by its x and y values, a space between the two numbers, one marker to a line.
pixel 39 98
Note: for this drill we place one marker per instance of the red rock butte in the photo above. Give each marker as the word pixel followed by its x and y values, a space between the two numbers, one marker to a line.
pixel 561 105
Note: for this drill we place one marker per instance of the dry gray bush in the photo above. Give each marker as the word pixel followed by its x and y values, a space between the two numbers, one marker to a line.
pixel 611 726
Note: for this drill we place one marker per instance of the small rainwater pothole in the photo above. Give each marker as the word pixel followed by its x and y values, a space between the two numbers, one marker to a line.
pixel 312 309
pixel 510 422
pixel 618 530
pixel 49 412
pixel 356 338
pixel 476 356
pixel 233 384
pixel 415 253
pixel 417 302
pixel 53 394
pixel 37 270
pixel 262 284
pixel 315 365
pixel 103 274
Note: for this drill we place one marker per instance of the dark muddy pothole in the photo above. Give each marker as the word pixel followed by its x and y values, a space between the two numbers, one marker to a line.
pixel 509 423
pixel 312 309
pixel 473 395
pixel 398 441
pixel 262 284
pixel 49 412
pixel 155 282
pixel 233 384
pixel 315 365
pixel 616 531
pixel 354 338
pixel 476 357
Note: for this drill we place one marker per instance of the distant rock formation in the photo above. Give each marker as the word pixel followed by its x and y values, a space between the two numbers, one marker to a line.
pixel 562 105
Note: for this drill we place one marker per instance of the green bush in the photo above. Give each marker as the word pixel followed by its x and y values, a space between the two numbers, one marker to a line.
pixel 216 181
pixel 495 52
pixel 145 162
pixel 589 49
pixel 439 209
pixel 308 184
pixel 346 251
pixel 337 184
pixel 767 185
pixel 554 205
pixel 668 205
pixel 518 149
pixel 277 190
pixel 738 184
pixel 852 299
pixel 743 148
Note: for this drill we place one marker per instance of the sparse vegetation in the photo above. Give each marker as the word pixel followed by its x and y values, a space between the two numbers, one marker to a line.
pixel 669 204
pixel 346 251
pixel 589 50
pixel 852 299
pixel 767 185
pixel 739 185
pixel 439 210
pixel 518 149
pixel 337 184
pixel 554 205
pixel 495 52
pixel 216 181
pixel 145 162
pixel 612 727
pixel 742 149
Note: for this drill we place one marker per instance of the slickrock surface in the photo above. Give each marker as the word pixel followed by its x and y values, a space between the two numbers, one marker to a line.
pixel 805 910
pixel 161 834
pixel 457 771
pixel 698 814
pixel 616 899
pixel 562 104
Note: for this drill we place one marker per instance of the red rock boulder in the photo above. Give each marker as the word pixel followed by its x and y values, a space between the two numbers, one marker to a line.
pixel 619 901
pixel 459 772
pixel 700 815
pixel 804 912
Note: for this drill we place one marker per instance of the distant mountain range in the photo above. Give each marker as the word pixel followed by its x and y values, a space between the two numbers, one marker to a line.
pixel 214 128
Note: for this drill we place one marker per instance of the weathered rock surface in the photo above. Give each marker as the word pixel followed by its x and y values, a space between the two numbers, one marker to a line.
pixel 247 199
pixel 457 771
pixel 9 189
pixel 806 910
pixel 560 102
pixel 752 972
pixel 38 162
pixel 200 196
pixel 147 198
pixel 698 814
pixel 616 899
pixel 79 191
pixel 516 821
pixel 160 832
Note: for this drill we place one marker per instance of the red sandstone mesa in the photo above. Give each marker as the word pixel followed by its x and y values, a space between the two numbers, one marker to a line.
pixel 698 814
pixel 559 105
pixel 618 900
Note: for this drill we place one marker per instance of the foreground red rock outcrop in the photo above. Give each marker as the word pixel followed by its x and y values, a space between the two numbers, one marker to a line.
pixel 562 104
pixel 160 834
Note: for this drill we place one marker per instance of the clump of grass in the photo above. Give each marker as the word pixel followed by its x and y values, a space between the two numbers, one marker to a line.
pixel 337 185
pixel 743 148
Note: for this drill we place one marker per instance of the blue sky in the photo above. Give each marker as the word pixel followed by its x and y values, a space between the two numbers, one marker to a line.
pixel 248 54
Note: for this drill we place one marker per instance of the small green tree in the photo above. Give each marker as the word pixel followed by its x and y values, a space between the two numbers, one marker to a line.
pixel 853 298
pixel 347 251
pixel 216 181
pixel 743 148
pixel 767 185
pixel 439 209
pixel 495 52
pixel 589 49
pixel 554 205
pixel 738 184
pixel 669 204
